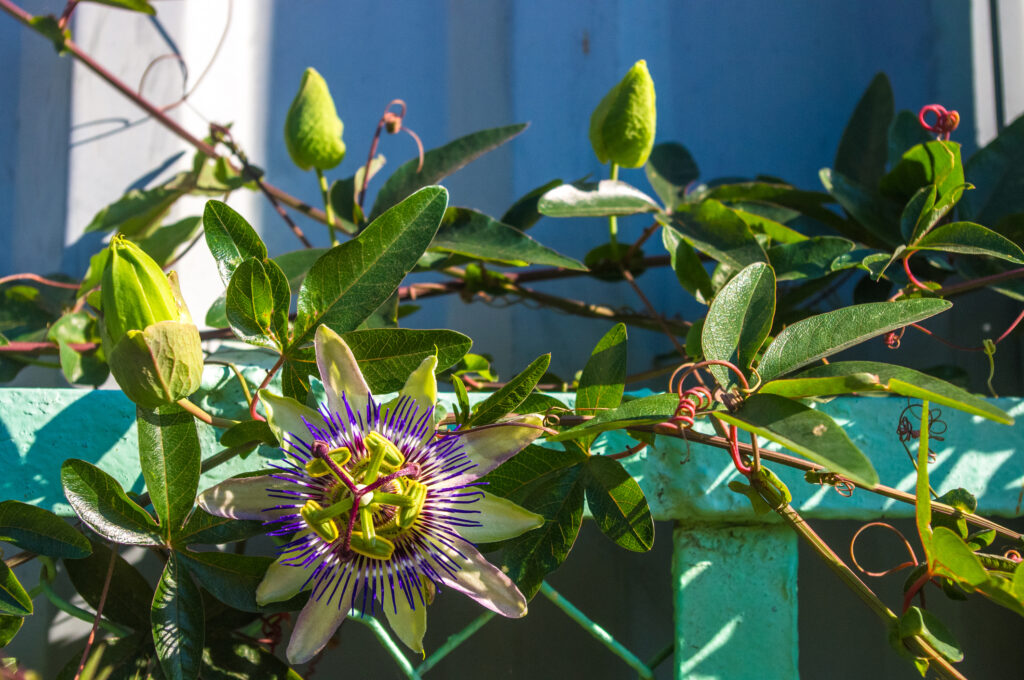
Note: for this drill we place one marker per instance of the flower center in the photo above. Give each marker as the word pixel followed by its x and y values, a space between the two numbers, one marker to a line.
pixel 375 499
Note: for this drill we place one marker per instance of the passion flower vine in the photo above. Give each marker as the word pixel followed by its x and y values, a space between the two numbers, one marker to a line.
pixel 378 508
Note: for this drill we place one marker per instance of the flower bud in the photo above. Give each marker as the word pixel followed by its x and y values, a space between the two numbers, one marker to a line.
pixel 152 345
pixel 623 124
pixel 312 130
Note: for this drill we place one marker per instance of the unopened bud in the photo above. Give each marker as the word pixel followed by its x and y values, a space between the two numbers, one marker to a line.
pixel 312 130
pixel 623 124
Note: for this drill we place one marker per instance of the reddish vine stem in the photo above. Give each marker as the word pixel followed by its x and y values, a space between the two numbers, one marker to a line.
pixel 256 394
pixel 99 613
pixel 392 122
pixel 38 279
pixel 65 16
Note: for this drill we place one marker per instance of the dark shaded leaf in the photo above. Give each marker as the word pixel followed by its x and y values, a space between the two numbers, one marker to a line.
pixel 863 148
pixel 167 241
pixel 203 528
pixel 618 504
pixel 670 168
pixel 130 596
pixel 233 579
pixel 644 411
pixel 178 622
pixel 506 399
pixel 524 213
pixel 718 231
pixel 14 601
pixel 998 172
pixel 970 239
pixel 687 265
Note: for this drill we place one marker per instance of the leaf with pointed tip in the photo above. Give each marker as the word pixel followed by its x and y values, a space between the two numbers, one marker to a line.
pixel 809 203
pixel 809 433
pixel 523 214
pixel 439 163
pixel 970 239
pixel 387 356
pixel 670 168
pixel 808 259
pixel 133 5
pixel 863 148
pixel 257 303
pixel 101 503
pixel 719 232
pixel 9 627
pixel 511 395
pixel 14 601
pixel 230 238
pixel 922 623
pixel 935 162
pixel 138 212
pixel 739 321
pixel 41 531
pixel 644 411
pixel 905 133
pixel 618 504
pixel 596 199
pixel 825 334
pixel 473 234
pixel 353 279
pixel 229 658
pixel 687 265
pixel 169 453
pixel 603 379
pixel 178 622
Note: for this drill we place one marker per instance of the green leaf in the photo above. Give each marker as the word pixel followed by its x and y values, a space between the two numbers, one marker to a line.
pixel 905 133
pixel 385 316
pixel 9 627
pixel 473 234
pixel 133 5
pixel 550 483
pixel 718 231
pixel 876 217
pixel 138 212
pixel 809 433
pixel 524 213
pixel 257 304
pixel 48 27
pixel 101 503
pixel 803 385
pixel 970 239
pixel 14 601
pixel 687 265
pixel 895 379
pixel 511 395
pixel 760 224
pixel 228 658
pixel 353 279
pixel 810 203
pixel 167 241
pixel 916 214
pixel 79 368
pixel 670 168
pixel 618 504
pixel 248 431
pixel 203 528
pixel 129 598
pixel 439 163
pixel 808 259
pixel 169 453
pixel 41 531
pixel 950 556
pixel 595 199
pixel 935 162
pixel 233 579
pixel 387 356
pixel 825 334
pixel 217 314
pixel 603 379
pixel 997 172
pixel 178 622
pixel 644 411
pixel 921 623
pixel 864 146
pixel 739 320
pixel 230 238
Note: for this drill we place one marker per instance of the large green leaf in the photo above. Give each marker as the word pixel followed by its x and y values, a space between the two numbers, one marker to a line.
pixel 230 658
pixel 922 623
pixel 523 214
pixel 353 279
pixel 998 173
pixel 687 265
pixel 513 393
pixel 618 504
pixel 759 217
pixel 100 502
pixel 739 320
pixel 825 334
pixel 670 168
pixel 644 411
pixel 870 376
pixel 595 199
pixel 550 483
pixel 178 622
pixel 9 627
pixel 129 598
pixel 970 239
pixel 808 259
pixel 387 356
pixel 14 601
pixel 809 433
pixel 439 163
pixel 876 217
pixel 949 555
pixel 41 531
pixel 936 162
pixel 603 379
pixel 169 453
pixel 256 303
pixel 718 231
pixel 233 579
pixel 473 234
pixel 864 146
pixel 230 238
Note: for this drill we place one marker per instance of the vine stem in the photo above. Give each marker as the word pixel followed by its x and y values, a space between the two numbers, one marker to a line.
pixel 325 192
pixel 99 614
pixel 207 418
pixel 266 381
pixel 613 221
pixel 38 279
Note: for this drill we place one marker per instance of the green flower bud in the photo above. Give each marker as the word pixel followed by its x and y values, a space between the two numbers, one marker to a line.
pixel 152 345
pixel 135 292
pixel 623 124
pixel 312 130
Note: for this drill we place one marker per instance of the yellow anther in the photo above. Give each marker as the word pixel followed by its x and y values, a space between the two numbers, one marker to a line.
pixel 417 494
pixel 379 548
pixel 318 467
pixel 312 514
pixel 383 453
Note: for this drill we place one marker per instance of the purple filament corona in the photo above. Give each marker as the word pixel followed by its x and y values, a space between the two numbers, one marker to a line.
pixel 425 551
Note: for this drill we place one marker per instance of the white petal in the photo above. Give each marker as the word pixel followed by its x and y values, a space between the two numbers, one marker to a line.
pixel 483 582
pixel 493 445
pixel 316 625
pixel 285 415
pixel 245 498
pixel 500 518
pixel 339 372
pixel 408 623
pixel 282 582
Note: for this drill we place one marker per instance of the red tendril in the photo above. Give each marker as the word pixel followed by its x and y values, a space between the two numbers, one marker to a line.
pixel 945 121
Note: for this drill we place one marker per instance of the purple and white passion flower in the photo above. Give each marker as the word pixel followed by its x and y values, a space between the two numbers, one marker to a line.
pixel 379 509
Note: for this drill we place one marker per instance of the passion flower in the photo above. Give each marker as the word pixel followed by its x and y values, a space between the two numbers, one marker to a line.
pixel 380 509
